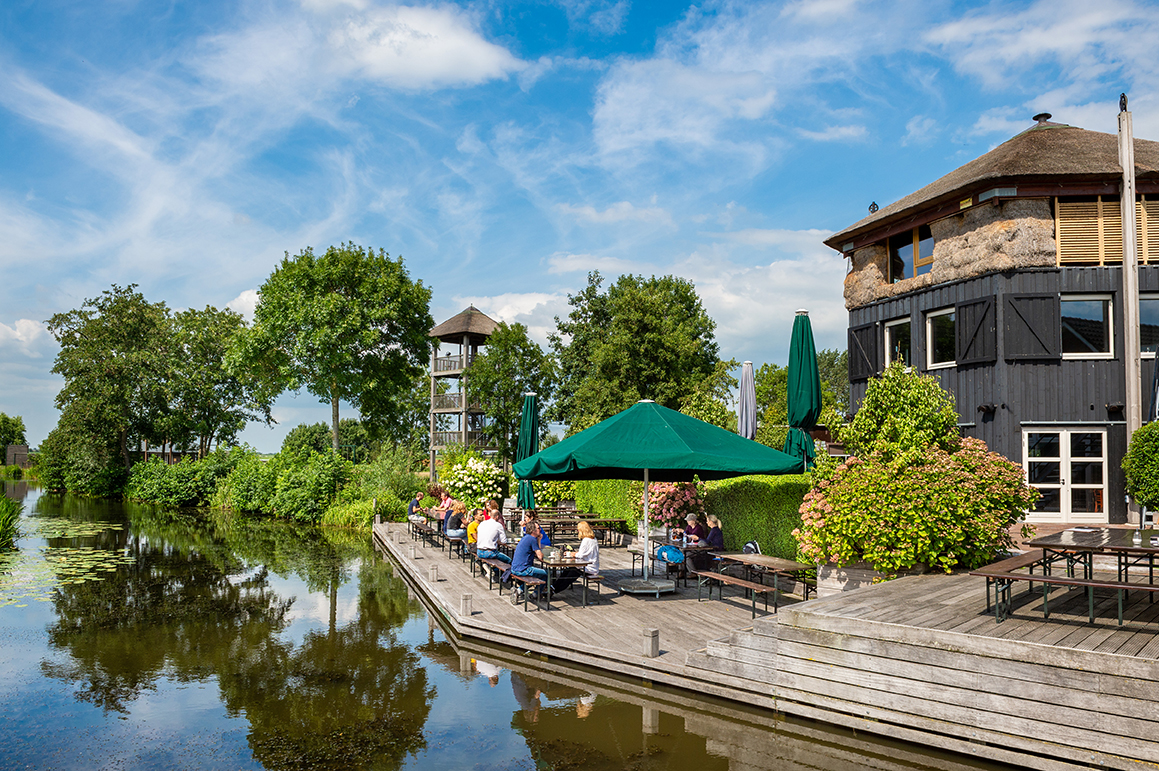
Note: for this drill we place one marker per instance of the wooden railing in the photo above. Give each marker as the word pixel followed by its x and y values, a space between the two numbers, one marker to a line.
pixel 453 363
pixel 474 439
pixel 447 402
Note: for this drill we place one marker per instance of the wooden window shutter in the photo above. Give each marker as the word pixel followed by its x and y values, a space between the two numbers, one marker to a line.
pixel 1077 231
pixel 976 329
pixel 863 353
pixel 1032 327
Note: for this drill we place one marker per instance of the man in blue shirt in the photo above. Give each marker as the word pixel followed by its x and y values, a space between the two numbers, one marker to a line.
pixel 523 563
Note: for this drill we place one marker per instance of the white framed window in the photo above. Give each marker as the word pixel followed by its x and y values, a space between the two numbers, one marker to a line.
pixel 1148 325
pixel 898 342
pixel 940 339
pixel 1087 326
pixel 1068 467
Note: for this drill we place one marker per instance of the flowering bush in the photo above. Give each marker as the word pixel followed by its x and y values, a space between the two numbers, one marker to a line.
pixel 670 502
pixel 946 510
pixel 472 480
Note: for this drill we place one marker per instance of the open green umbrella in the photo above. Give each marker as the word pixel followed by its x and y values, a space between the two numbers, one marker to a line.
pixel 656 444
pixel 804 391
pixel 528 444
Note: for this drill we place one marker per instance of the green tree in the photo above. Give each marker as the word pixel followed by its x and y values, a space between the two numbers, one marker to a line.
pixel 11 430
pixel 903 414
pixel 209 402
pixel 772 389
pixel 115 357
pixel 350 325
pixel 1141 466
pixel 709 399
pixel 510 365
pixel 833 365
pixel 354 442
pixel 642 339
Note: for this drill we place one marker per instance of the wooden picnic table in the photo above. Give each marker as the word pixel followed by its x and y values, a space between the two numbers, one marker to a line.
pixel 1079 545
pixel 555 565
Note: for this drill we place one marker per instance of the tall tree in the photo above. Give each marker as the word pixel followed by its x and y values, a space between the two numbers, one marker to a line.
pixel 511 364
pixel 772 388
pixel 11 430
pixel 208 402
pixel 350 325
pixel 644 339
pixel 115 356
pixel 833 366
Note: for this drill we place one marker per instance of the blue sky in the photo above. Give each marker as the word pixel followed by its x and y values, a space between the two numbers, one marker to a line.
pixel 505 149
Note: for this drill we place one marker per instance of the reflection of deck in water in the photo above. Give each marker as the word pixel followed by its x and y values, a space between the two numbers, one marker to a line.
pixel 916 659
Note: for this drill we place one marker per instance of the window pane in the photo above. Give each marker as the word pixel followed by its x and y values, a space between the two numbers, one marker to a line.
pixel 1086 445
pixel 1086 500
pixel 1149 324
pixel 897 343
pixel 1043 473
pixel 1042 445
pixel 901 256
pixel 941 342
pixel 1049 500
pixel 925 251
pixel 1086 326
pixel 1086 473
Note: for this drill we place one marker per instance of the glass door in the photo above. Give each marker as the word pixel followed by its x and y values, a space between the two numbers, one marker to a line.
pixel 1068 467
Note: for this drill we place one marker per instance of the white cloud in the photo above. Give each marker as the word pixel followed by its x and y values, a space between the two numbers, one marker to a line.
pixel 244 303
pixel 535 310
pixel 834 133
pixel 919 129
pixel 565 262
pixel 796 241
pixel 26 337
pixel 623 211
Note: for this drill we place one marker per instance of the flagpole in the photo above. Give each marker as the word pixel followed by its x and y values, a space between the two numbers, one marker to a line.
pixel 1131 366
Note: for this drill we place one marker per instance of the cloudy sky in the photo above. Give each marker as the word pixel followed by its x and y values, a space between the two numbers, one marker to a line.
pixel 504 149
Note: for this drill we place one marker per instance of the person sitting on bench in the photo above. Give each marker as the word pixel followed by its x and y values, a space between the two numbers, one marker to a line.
pixel 491 534
pixel 523 563
pixel 473 528
pixel 456 528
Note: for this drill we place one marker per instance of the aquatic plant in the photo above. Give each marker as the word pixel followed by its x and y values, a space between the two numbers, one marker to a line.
pixel 9 522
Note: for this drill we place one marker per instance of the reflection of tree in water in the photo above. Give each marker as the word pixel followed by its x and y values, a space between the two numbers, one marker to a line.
pixel 567 734
pixel 189 608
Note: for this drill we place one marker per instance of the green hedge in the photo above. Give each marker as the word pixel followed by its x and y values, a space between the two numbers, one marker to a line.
pixel 764 509
pixel 610 497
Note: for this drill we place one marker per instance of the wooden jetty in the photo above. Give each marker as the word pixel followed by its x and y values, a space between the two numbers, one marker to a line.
pixel 915 660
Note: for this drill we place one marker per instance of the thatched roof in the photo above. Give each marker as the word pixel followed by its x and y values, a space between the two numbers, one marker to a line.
pixel 472 322
pixel 1046 152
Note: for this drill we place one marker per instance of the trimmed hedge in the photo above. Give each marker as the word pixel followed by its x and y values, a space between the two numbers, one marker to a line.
pixel 764 509
pixel 612 498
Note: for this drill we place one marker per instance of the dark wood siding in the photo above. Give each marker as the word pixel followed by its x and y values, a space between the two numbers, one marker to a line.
pixel 863 352
pixel 1050 391
pixel 977 332
pixel 1031 329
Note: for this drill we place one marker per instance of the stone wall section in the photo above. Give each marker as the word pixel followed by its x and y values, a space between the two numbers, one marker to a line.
pixel 982 239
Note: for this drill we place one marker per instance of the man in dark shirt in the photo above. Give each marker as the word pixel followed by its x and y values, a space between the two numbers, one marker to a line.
pixel 523 563
pixel 414 505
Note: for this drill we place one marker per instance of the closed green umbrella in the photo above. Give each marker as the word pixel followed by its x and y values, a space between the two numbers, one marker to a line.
pixel 658 445
pixel 527 446
pixel 804 391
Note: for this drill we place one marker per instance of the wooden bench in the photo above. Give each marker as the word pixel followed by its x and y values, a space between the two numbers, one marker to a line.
pixel 530 583
pixel 497 566
pixel 589 579
pixel 778 568
pixel 1003 576
pixel 637 556
pixel 427 533
pixel 706 578
pixel 454 542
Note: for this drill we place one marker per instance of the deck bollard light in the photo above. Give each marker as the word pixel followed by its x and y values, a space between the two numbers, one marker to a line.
pixel 433 574
pixel 414 552
pixel 465 605
pixel 651 643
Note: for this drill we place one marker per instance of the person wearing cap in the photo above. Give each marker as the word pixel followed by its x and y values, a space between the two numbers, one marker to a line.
pixel 694 531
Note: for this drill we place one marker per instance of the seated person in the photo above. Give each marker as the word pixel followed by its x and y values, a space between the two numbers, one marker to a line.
pixel 694 531
pixel 492 533
pixel 473 528
pixel 715 538
pixel 589 549
pixel 414 508
pixel 544 538
pixel 456 528
pixel 523 563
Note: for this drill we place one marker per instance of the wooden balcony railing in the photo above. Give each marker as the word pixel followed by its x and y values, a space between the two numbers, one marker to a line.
pixel 453 363
pixel 474 439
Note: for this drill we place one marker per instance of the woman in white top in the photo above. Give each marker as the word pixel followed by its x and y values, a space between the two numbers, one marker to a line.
pixel 589 550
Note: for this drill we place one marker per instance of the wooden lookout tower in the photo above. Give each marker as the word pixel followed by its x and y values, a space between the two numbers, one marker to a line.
pixel 453 419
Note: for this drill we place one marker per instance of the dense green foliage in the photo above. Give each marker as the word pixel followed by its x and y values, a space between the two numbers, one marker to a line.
pixel 943 511
pixel 709 400
pixel 188 483
pixel 1141 466
pixel 552 492
pixel 81 464
pixel 9 522
pixel 612 498
pixel 12 472
pixel 915 495
pixel 642 339
pixel 307 485
pixel 11 431
pixel 669 503
pixel 759 508
pixel 510 365
pixel 353 441
pixel 348 325
pixel 772 393
pixel 903 413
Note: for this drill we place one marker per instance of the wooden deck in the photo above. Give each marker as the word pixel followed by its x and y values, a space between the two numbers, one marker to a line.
pixel 917 659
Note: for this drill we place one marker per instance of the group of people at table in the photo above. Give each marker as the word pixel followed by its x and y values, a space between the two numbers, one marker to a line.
pixel 485 532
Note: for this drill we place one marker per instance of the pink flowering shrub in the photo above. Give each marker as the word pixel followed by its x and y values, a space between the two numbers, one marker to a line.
pixel 669 503
pixel 941 511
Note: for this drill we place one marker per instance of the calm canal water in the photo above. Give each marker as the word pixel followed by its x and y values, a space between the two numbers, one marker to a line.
pixel 234 643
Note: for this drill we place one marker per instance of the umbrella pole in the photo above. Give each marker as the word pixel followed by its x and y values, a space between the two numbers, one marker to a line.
pixel 647 527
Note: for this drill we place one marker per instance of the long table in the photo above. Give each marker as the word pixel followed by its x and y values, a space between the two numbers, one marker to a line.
pixel 768 564
pixel 1078 546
